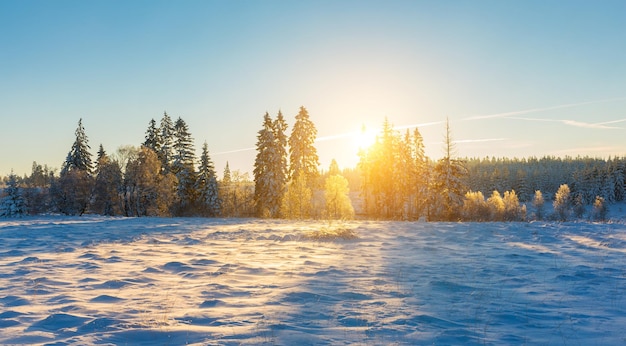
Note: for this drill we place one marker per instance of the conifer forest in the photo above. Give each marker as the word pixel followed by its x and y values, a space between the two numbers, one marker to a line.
pixel 394 180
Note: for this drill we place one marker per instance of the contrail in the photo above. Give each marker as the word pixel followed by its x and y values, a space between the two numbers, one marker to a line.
pixel 480 140
pixel 575 123
pixel 233 151
pixel 535 110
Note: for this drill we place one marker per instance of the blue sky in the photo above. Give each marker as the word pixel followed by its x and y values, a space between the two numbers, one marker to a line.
pixel 515 78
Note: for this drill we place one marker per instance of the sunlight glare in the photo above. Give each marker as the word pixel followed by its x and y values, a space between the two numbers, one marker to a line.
pixel 364 139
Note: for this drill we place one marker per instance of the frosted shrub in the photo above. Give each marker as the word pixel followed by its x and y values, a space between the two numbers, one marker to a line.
pixel 475 207
pixel 496 206
pixel 562 203
pixel 512 209
pixel 600 209
pixel 538 204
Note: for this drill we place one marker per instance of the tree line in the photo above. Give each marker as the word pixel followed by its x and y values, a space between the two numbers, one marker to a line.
pixel 394 180
pixel 163 177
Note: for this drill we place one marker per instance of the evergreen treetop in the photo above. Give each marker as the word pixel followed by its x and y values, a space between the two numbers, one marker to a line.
pixel 79 156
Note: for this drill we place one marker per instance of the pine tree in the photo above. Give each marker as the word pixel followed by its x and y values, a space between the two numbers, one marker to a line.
pixel 380 169
pixel 206 185
pixel 183 166
pixel 279 127
pixel 152 136
pixel 13 204
pixel 108 186
pixel 79 157
pixel 449 181
pixel 71 193
pixel 302 152
pixel 165 146
pixel 268 170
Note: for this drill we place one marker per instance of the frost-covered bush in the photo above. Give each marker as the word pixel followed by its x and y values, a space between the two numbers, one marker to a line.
pixel 538 204
pixel 562 203
pixel 496 206
pixel 475 207
pixel 512 209
pixel 600 209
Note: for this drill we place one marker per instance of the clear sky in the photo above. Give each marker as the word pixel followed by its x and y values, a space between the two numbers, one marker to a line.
pixel 515 78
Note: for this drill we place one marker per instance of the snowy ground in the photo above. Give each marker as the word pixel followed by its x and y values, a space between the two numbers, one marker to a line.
pixel 95 280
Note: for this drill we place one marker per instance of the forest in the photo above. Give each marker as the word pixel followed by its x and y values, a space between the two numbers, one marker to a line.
pixel 394 180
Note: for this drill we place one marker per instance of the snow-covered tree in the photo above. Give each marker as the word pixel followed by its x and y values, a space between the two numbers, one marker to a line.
pixel 108 186
pixel 183 167
pixel 152 136
pixel 206 185
pixel 302 152
pixel 449 181
pixel 496 206
pixel 336 194
pixel 562 203
pixel 12 204
pixel 475 208
pixel 538 204
pixel 71 193
pixel 147 191
pixel 279 127
pixel 79 156
pixel 165 146
pixel 513 211
pixel 600 209
pixel 268 170
pixel 297 201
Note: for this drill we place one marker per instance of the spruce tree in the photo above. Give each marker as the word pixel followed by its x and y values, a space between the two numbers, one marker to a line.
pixel 279 127
pixel 206 185
pixel 79 156
pixel 165 146
pixel 266 165
pixel 302 152
pixel 449 182
pixel 107 186
pixel 12 204
pixel 183 166
pixel 71 193
pixel 152 136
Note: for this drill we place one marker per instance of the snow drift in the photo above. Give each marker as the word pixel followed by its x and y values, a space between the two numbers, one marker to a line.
pixel 96 280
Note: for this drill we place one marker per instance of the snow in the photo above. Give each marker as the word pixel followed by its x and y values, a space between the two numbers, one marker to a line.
pixel 99 280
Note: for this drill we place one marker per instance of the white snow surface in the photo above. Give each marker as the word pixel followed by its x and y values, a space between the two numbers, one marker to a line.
pixel 157 281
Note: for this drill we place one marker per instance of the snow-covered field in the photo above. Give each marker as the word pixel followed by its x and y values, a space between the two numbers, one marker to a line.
pixel 96 280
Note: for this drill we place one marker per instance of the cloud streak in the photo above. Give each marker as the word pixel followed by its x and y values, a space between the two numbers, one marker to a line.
pixel 575 123
pixel 543 109
pixel 482 140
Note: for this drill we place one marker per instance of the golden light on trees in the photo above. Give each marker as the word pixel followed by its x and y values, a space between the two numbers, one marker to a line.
pixel 364 138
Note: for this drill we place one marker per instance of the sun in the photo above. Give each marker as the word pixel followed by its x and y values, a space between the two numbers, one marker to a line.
pixel 364 139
